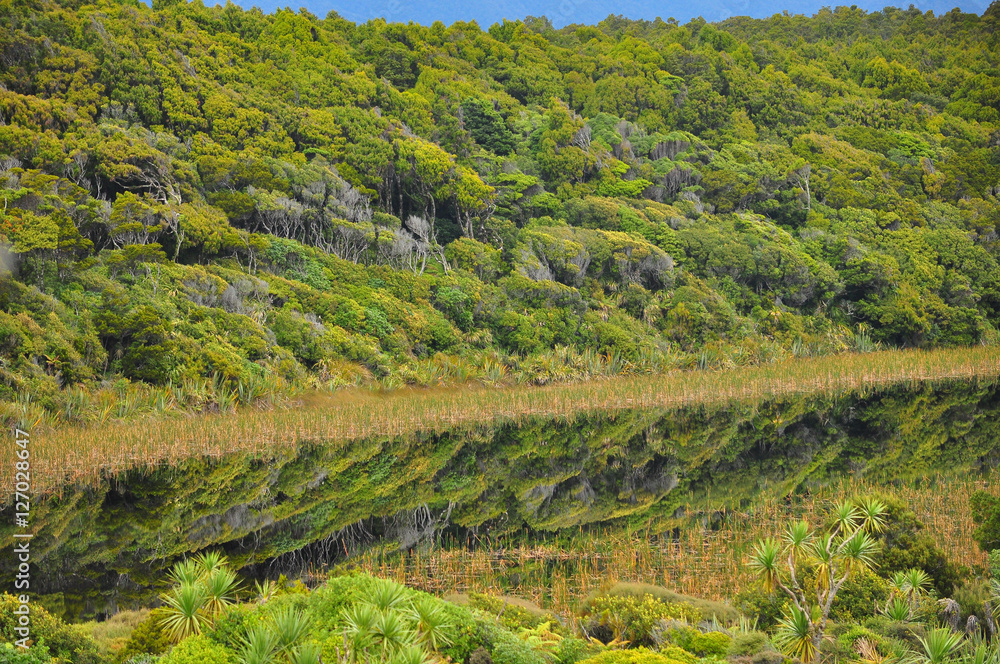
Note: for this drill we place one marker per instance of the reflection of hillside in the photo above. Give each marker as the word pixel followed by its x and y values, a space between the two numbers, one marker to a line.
pixel 109 544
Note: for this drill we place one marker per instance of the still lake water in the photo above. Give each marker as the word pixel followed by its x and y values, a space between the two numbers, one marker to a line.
pixel 108 545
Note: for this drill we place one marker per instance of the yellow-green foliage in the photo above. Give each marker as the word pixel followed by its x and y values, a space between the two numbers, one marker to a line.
pixel 175 220
pixel 112 634
pixel 632 618
pixel 707 608
pixel 198 650
pixel 633 656
pixel 146 638
pixel 512 612
pixel 64 642
pixel 678 654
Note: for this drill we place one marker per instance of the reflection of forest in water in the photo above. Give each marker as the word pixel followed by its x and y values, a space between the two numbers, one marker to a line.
pixel 106 546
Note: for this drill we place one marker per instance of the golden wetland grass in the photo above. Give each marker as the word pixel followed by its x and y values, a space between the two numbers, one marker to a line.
pixel 83 454
pixel 705 563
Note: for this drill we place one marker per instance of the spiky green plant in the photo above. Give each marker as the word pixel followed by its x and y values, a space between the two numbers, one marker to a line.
pixel 898 609
pixel 765 561
pixel 873 513
pixel 798 536
pixel 433 627
pixel 290 628
pixel 258 646
pixel 917 582
pixel 209 561
pixel 391 633
pixel 308 653
pixel 939 646
pixel 847 516
pixel 794 635
pixel 185 572
pixel 386 595
pixel 983 653
pixel 822 554
pixel 359 629
pixel 221 586
pixel 859 552
pixel 184 612
pixel 264 591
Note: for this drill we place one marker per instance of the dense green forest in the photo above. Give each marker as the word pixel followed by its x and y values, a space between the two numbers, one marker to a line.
pixel 215 194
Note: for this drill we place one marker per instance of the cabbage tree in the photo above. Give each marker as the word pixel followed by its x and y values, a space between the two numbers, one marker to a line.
pixel 830 555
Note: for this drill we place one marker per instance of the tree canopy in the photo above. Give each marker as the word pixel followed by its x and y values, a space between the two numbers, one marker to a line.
pixel 197 191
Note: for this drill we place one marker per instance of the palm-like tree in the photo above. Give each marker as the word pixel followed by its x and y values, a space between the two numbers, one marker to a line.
pixel 359 629
pixel 432 624
pixel 911 584
pixel 386 595
pixel 766 562
pixel 202 588
pixel 872 512
pixel 221 586
pixel 391 633
pixel 184 612
pixel 846 547
pixel 185 572
pixel 209 561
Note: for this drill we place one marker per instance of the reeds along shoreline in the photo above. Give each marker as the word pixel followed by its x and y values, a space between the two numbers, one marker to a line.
pixel 81 454
pixel 703 562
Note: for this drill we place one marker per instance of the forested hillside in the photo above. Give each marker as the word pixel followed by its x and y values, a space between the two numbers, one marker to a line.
pixel 216 202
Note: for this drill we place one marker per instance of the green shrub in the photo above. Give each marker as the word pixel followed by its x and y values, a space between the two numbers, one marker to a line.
pixel 512 612
pixel 845 641
pixel 746 644
pixel 706 608
pixel 504 647
pixel 767 607
pixel 678 654
pixel 636 656
pixel 860 597
pixel 632 618
pixel 768 656
pixel 198 650
pixel 10 654
pixel 908 633
pixel 229 627
pixel 710 644
pixel 65 642
pixel 571 650
pixel 148 638
pixel 326 605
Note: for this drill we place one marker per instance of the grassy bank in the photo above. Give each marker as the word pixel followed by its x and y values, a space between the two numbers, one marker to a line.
pixel 83 453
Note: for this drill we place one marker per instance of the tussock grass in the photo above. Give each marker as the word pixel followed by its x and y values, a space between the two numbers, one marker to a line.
pixel 721 611
pixel 81 454
pixel 112 634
